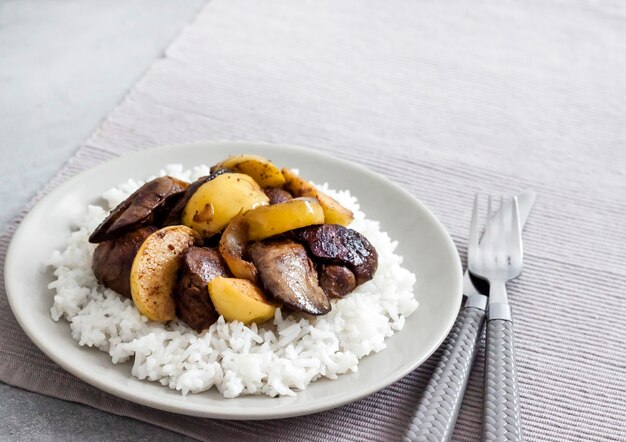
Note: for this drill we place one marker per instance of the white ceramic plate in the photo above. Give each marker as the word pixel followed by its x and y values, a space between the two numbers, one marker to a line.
pixel 426 246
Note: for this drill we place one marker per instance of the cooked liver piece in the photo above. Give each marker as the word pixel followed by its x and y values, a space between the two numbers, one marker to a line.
pixel 335 244
pixel 277 195
pixel 193 303
pixel 337 280
pixel 288 274
pixel 113 259
pixel 147 206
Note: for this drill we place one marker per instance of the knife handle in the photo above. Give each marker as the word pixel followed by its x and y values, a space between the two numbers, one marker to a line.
pixel 501 415
pixel 439 407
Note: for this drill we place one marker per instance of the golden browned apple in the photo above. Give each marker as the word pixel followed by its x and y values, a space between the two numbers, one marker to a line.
pixel 240 300
pixel 267 221
pixel 153 273
pixel 260 169
pixel 334 213
pixel 216 202
pixel 232 247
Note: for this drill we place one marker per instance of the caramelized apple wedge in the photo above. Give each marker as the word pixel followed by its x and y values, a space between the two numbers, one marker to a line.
pixel 232 247
pixel 240 300
pixel 267 221
pixel 216 202
pixel 260 169
pixel 334 213
pixel 153 273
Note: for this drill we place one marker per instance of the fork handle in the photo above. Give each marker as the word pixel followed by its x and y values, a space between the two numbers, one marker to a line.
pixel 501 416
pixel 439 407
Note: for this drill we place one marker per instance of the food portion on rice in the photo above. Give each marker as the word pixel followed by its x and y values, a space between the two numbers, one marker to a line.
pixel 206 264
pixel 269 255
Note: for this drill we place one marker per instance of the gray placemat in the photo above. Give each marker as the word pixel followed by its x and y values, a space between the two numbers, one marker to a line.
pixel 445 98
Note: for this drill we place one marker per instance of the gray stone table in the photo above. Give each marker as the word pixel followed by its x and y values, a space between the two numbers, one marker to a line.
pixel 63 67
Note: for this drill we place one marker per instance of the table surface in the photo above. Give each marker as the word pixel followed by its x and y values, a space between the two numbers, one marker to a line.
pixel 42 122
pixel 462 97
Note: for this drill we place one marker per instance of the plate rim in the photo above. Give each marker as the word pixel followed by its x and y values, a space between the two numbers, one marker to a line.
pixel 175 407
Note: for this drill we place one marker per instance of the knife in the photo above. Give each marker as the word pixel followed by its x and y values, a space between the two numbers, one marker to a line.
pixel 439 406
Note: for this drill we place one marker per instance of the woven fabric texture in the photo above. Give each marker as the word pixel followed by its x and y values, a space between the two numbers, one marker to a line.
pixel 446 99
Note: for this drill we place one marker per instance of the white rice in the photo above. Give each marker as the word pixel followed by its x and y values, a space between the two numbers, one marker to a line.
pixel 276 358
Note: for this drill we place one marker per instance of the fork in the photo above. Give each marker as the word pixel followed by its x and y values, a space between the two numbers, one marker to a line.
pixel 498 259
pixel 435 416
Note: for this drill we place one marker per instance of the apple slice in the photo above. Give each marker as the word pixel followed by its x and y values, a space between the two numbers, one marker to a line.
pixel 216 202
pixel 267 221
pixel 260 169
pixel 334 213
pixel 240 300
pixel 153 273
pixel 232 247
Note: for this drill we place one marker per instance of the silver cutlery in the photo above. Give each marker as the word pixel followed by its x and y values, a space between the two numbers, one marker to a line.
pixel 498 259
pixel 438 409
